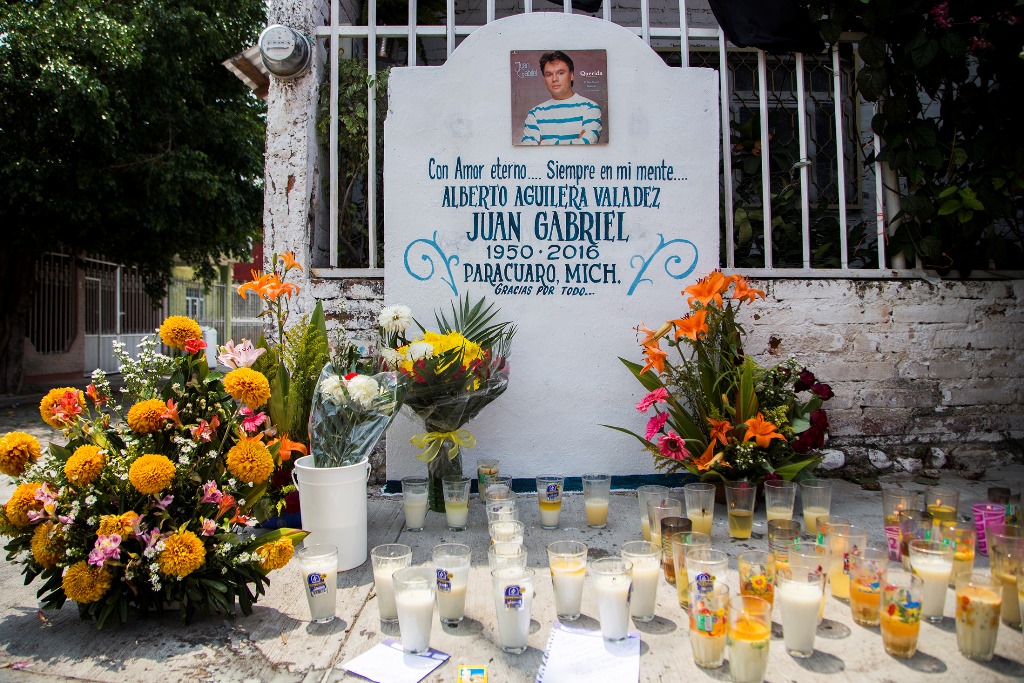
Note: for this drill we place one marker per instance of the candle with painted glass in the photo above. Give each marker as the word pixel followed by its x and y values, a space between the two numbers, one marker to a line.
pixel 868 569
pixel 914 525
pixel 901 613
pixel 978 598
pixel 386 560
pixel 644 494
pixel 414 597
pixel 941 503
pixel 485 467
pixel 933 562
pixel 646 560
pixel 843 541
pixel 757 575
pixel 681 544
pixel 750 631
pixel 414 500
pixel 962 536
pixel 513 601
pixel 567 561
pixel 549 499
pixel 670 526
pixel 808 556
pixel 700 506
pixel 611 578
pixel 709 607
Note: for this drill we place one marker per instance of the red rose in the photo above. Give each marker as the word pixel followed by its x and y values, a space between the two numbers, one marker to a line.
pixel 194 345
pixel 824 391
pixel 805 380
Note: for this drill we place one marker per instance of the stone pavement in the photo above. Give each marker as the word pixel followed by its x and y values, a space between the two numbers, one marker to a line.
pixel 278 644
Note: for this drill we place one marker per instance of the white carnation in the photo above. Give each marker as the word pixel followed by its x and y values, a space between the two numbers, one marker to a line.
pixel 363 390
pixel 330 388
pixel 420 350
pixel 391 357
pixel 395 318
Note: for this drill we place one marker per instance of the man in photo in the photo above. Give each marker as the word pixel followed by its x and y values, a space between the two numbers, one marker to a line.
pixel 567 118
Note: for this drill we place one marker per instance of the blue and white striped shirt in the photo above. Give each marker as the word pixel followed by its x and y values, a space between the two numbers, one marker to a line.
pixel 572 121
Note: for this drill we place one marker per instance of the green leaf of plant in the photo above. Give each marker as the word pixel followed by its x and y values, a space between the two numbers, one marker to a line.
pixel 959 156
pixel 949 206
pixel 871 82
pixel 948 192
pixel 964 215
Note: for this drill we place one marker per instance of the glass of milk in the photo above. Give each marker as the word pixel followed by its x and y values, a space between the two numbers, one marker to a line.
pixel 779 499
pixel 646 560
pixel 901 613
pixel 808 555
pixel 501 509
pixel 612 577
pixel 816 498
pixel 750 631
pixel 451 566
pixel 387 559
pixel 506 555
pixel 700 506
pixel 549 499
pixel 567 561
pixel 644 494
pixel 456 501
pixel 596 494
pixel 319 567
pixel 978 599
pixel 414 498
pixel 709 607
pixel 681 543
pixel 740 497
pixel 506 531
pixel 414 596
pixel 657 510
pixel 513 598
pixel 933 562
pixel 799 593
pixel 842 541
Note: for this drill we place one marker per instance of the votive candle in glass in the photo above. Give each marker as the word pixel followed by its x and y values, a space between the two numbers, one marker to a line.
pixel 868 569
pixel 978 603
pixel 709 614
pixel 901 613
pixel 750 631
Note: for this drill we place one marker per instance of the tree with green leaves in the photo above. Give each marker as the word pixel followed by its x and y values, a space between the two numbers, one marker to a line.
pixel 122 135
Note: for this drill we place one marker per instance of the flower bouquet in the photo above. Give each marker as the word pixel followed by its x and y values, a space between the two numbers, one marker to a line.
pixel 452 375
pixel 150 503
pixel 713 410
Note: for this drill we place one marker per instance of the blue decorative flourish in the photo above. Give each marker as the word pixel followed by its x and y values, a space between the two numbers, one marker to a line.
pixel 448 261
pixel 671 260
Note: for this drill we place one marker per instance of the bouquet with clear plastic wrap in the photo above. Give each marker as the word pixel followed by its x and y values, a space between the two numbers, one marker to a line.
pixel 350 413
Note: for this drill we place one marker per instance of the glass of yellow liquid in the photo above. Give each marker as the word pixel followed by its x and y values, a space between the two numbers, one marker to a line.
pixel 644 494
pixel 941 503
pixel 681 543
pixel 596 494
pixel 816 498
pixel 779 499
pixel 700 506
pixel 963 537
pixel 868 570
pixel 1006 554
pixel 657 510
pixel 456 502
pixel 900 619
pixel 978 598
pixel 549 499
pixel 750 631
pixel 843 542
pixel 740 497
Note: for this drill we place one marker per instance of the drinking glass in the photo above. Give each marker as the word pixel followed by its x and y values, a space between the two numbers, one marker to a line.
pixel 901 613
pixel 498 510
pixel 681 544
pixel 868 569
pixel 739 499
pixel 386 560
pixel 658 509
pixel 799 593
pixel 705 565
pixel 941 503
pixel 506 531
pixel 933 562
pixel 319 567
pixel 414 597
pixel 700 506
pixel 513 599
pixel 985 514
pixel 779 499
pixel 414 498
pixel 978 598
pixel 895 501
pixel 914 525
pixel 549 499
pixel 962 536
pixel 781 533
pixel 643 494
pixel 827 521
pixel 485 467
pixel 451 565
pixel 646 560
pixel 670 526
pixel 496 487
pixel 1006 555
pixel 612 578
pixel 816 499
pixel 709 608
pixel 456 501
pixel 750 631
pixel 506 555
pixel 843 541
pixel 808 556
pixel 757 575
pixel 596 494
pixel 567 561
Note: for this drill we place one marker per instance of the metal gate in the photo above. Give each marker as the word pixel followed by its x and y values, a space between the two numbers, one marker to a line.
pixel 117 308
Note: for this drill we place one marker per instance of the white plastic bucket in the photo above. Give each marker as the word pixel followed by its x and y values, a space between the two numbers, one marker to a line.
pixel 333 504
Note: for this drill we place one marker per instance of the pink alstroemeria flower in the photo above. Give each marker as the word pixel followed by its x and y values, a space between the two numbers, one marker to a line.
pixel 655 424
pixel 209 527
pixel 205 431
pixel 164 502
pixel 211 494
pixel 659 395
pixel 241 356
pixel 251 421
pixel 106 548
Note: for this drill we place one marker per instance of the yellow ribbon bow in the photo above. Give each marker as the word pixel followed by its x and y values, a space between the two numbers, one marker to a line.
pixel 431 443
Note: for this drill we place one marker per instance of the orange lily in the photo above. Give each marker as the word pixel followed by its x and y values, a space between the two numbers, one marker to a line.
pixel 288 259
pixel 762 431
pixel 276 288
pixel 720 430
pixel 288 447
pixel 692 325
pixel 258 284
pixel 744 292
pixel 651 336
pixel 708 289
pixel 655 358
pixel 708 458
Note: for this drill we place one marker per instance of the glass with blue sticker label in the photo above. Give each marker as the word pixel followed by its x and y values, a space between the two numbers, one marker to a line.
pixel 319 567
pixel 451 578
pixel 549 499
pixel 513 599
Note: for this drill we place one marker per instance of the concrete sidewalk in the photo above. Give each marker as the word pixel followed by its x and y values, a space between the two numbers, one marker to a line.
pixel 278 644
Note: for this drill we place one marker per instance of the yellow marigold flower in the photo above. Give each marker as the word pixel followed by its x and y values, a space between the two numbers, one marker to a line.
pixel 183 554
pixel 250 461
pixel 52 399
pixel 151 473
pixel 146 417
pixel 178 329
pixel 85 584
pixel 117 524
pixel 23 501
pixel 248 386
pixel 45 546
pixel 85 465
pixel 18 450
pixel 275 554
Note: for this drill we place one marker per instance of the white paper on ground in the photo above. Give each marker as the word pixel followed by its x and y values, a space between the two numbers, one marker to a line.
pixel 574 655
pixel 385 662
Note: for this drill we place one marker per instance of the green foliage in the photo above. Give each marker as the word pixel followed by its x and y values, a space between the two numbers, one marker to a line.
pixel 308 353
pixel 472 321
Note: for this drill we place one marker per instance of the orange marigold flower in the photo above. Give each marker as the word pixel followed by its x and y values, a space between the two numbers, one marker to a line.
pixel 23 501
pixel 691 326
pixel 50 406
pixel 18 450
pixel 85 584
pixel 84 465
pixel 275 554
pixel 250 461
pixel 151 473
pixel 178 329
pixel 655 358
pixel 46 548
pixel 744 292
pixel 117 524
pixel 708 289
pixel 762 431
pixel 720 430
pixel 183 554
pixel 248 386
pixel 146 417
